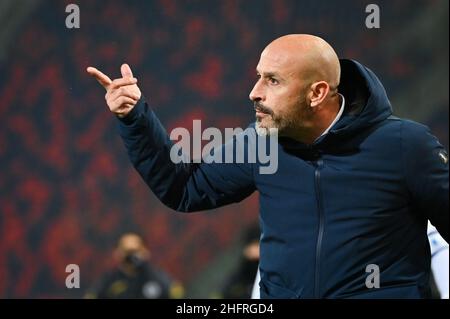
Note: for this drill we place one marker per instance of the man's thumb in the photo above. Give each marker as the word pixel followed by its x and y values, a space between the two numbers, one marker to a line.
pixel 126 71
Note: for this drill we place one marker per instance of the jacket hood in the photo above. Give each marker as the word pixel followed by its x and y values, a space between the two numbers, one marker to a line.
pixel 366 101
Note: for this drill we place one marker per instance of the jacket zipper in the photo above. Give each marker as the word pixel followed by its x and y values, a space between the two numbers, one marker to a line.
pixel 321 228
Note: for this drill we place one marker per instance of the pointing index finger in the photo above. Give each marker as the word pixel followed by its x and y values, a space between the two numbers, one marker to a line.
pixel 102 78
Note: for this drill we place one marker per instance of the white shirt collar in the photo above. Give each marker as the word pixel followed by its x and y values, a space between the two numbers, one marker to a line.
pixel 338 116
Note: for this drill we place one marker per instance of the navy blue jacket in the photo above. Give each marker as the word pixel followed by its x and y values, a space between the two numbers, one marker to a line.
pixel 361 195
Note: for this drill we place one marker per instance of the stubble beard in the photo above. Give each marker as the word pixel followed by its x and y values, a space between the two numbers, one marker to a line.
pixel 283 124
pixel 286 124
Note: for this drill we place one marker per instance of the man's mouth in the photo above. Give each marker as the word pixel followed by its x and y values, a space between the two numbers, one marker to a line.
pixel 260 113
pixel 262 110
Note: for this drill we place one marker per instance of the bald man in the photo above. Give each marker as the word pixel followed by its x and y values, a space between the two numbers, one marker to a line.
pixel 345 214
pixel 135 276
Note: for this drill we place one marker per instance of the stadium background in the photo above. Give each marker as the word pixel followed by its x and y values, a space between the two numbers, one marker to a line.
pixel 67 189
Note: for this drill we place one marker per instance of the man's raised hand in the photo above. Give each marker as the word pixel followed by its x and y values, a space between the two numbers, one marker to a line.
pixel 122 94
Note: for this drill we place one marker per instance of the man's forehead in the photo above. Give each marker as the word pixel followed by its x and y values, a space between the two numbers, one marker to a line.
pixel 276 62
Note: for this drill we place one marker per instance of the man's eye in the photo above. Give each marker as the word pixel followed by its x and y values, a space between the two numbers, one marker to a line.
pixel 273 81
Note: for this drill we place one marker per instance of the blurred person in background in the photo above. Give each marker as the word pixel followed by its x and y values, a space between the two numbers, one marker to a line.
pixel 239 284
pixel 134 277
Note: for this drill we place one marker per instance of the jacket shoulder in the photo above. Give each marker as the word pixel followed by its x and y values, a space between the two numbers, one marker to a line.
pixel 407 124
pixel 416 135
pixel 415 138
pixel 418 143
pixel 413 128
pixel 410 131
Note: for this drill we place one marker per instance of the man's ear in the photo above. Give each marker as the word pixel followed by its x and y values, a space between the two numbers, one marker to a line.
pixel 318 92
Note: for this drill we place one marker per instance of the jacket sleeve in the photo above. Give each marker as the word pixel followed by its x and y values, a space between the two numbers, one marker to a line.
pixel 426 171
pixel 183 186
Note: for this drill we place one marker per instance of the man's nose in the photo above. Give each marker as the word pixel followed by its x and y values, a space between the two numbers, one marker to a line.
pixel 256 94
